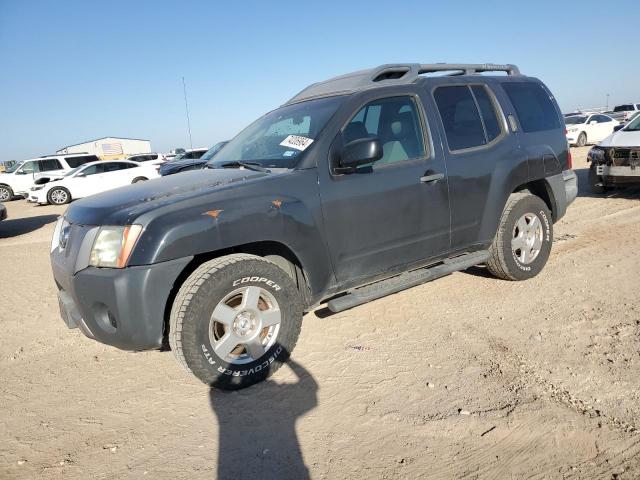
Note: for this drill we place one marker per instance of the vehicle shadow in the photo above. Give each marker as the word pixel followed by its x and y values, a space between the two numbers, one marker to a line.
pixel 20 226
pixel 584 190
pixel 257 436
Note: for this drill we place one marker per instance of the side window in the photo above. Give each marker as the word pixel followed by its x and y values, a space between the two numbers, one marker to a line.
pixel 488 112
pixel 77 161
pixel 30 167
pixel 49 165
pixel 93 169
pixel 395 122
pixel 533 106
pixel 114 166
pixel 460 117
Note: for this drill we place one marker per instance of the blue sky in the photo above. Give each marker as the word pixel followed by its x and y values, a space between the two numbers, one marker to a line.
pixel 77 70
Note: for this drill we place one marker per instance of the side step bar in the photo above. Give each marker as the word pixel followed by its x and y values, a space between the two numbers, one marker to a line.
pixel 406 280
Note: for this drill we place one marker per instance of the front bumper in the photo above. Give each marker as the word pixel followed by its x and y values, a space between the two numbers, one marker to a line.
pixel 120 307
pixel 619 175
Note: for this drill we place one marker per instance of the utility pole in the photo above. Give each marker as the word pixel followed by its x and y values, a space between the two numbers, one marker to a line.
pixel 607 102
pixel 186 106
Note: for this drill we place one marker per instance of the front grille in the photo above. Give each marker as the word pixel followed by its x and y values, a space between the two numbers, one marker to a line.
pixel 625 157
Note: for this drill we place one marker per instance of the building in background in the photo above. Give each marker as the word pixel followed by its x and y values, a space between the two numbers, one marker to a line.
pixel 108 148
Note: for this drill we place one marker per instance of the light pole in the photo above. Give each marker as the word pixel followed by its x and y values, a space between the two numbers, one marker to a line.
pixel 607 108
pixel 186 106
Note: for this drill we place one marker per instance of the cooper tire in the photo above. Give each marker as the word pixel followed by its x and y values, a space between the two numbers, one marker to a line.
pixel 58 196
pixel 582 140
pixel 522 244
pixel 596 182
pixel 195 320
pixel 6 193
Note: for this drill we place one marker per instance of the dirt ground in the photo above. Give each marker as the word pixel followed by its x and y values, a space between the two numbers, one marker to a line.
pixel 464 377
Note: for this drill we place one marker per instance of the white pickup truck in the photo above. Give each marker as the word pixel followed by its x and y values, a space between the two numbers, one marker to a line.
pixel 18 180
pixel 623 113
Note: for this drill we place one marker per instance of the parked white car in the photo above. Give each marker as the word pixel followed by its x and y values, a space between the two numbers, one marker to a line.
pixel 588 128
pixel 89 179
pixel 18 180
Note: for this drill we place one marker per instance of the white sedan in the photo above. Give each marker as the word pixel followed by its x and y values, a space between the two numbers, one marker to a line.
pixel 588 128
pixel 89 179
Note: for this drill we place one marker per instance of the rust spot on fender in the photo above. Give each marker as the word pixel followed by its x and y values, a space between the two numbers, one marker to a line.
pixel 277 203
pixel 213 213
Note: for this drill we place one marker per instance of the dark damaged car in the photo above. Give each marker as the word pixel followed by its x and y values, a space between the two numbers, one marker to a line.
pixel 356 188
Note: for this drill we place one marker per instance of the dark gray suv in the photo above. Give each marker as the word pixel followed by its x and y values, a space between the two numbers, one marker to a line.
pixel 358 187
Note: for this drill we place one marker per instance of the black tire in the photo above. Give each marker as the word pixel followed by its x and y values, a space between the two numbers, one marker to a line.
pixel 582 140
pixel 140 179
pixel 63 198
pixel 504 261
pixel 193 307
pixel 595 182
pixel 6 193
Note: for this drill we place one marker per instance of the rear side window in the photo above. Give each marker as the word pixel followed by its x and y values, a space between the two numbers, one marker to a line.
pixel 77 161
pixel 49 165
pixel 468 116
pixel 623 108
pixel 533 106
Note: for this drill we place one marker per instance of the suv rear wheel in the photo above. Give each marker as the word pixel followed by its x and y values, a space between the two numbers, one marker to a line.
pixel 523 242
pixel 235 320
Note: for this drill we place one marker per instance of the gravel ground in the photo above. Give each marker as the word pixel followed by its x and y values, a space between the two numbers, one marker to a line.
pixel 464 377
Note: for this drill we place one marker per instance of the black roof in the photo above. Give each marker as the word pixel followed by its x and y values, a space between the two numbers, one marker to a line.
pixel 394 74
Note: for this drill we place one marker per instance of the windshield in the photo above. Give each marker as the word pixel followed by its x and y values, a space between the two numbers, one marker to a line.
pixel 633 125
pixel 212 151
pixel 11 167
pixel 279 138
pixel 575 120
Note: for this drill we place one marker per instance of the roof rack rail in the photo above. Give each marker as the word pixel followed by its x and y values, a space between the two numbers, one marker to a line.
pixel 395 73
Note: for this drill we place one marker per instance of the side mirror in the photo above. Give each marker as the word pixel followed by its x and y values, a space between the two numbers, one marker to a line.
pixel 20 172
pixel 360 152
pixel 81 175
pixel 592 122
pixel 618 127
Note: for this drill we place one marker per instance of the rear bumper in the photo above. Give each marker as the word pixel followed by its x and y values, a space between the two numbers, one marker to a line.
pixel 120 307
pixel 564 190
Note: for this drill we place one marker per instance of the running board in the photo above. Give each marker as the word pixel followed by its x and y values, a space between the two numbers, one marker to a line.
pixel 406 280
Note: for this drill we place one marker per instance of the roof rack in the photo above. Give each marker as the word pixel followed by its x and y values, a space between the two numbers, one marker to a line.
pixel 391 74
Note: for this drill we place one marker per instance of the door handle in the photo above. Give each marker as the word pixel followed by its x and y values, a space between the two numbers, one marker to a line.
pixel 432 177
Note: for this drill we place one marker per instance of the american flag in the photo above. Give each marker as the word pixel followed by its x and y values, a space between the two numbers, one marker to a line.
pixel 112 148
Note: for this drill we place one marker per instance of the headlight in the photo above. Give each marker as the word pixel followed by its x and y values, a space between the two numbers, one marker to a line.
pixel 113 246
pixel 572 130
pixel 35 189
pixel 596 154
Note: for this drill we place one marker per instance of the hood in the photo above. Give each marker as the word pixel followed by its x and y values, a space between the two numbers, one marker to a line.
pixel 622 138
pixel 123 205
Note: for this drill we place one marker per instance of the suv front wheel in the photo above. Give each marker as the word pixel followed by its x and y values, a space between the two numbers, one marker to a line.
pixel 235 320
pixel 523 242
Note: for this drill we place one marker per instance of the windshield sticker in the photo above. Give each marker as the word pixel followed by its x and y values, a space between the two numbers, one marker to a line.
pixel 297 142
pixel 289 153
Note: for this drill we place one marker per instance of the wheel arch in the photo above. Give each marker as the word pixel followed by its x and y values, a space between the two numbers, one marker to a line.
pixel 542 189
pixel 277 252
